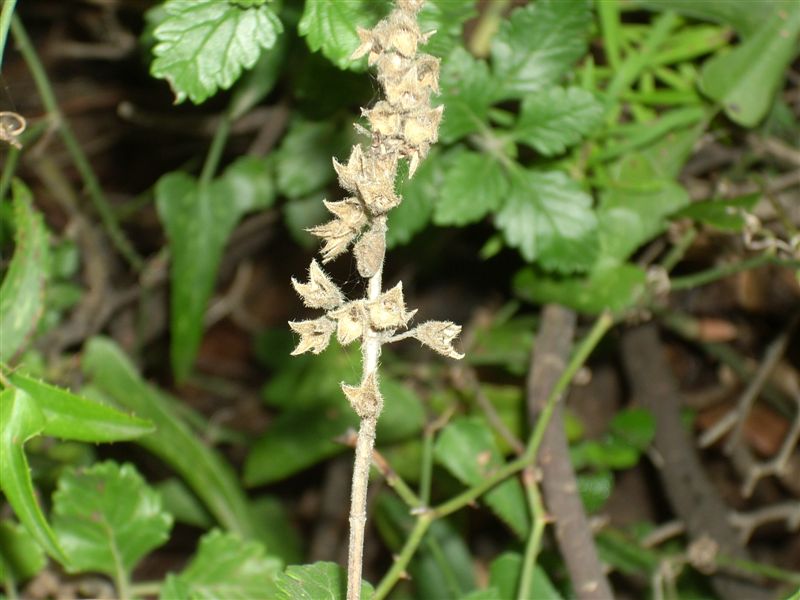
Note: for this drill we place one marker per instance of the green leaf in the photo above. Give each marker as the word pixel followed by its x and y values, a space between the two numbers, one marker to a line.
pixel 281 537
pixel 623 553
pixel 595 489
pixel 473 187
pixel 538 45
pixel 487 594
pixel 634 425
pixel 199 220
pixel 317 581
pixel 206 471
pixel 419 194
pixel 447 18
pixel 179 501
pixel 506 344
pixel 608 453
pixel 204 45
pixel 107 518
pixel 225 566
pixel 745 80
pixel 549 219
pixel 331 27
pixel 259 81
pixel 722 214
pixel 303 161
pixel 20 556
pixel 556 118
pixel 467 449
pixel 73 417
pixel 20 420
pixel 633 208
pixel 467 94
pixel 504 574
pixel 615 288
pixel 22 291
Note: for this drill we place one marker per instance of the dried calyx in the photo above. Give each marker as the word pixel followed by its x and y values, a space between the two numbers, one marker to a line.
pixel 402 126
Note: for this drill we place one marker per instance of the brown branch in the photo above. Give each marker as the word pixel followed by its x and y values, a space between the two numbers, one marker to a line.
pixel 573 532
pixel 690 493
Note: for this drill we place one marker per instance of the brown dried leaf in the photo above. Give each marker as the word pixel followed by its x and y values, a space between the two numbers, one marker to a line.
pixel 314 334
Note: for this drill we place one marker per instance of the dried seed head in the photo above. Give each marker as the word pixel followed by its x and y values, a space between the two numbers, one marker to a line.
pixel 384 120
pixel 411 6
pixel 320 291
pixel 352 172
pixel 350 321
pixel 366 398
pixel 370 249
pixel 338 233
pixel 365 35
pixel 439 336
pixel 314 335
pixel 388 311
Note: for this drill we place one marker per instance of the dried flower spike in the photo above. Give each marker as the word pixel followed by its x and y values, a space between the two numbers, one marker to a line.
pixel 439 336
pixel 366 398
pixel 314 335
pixel 320 291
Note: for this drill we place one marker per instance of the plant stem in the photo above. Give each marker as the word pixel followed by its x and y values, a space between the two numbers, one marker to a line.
pixel 710 275
pixel 538 522
pixel 80 160
pixel 482 36
pixel 401 562
pixel 5 23
pixel 214 155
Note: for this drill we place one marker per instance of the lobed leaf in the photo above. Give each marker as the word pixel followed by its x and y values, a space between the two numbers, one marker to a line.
pixel 225 566
pixel 556 118
pixel 505 572
pixel 204 45
pixel 447 18
pixel 467 449
pixel 467 94
pixel 538 44
pixel 549 219
pixel 22 291
pixel 107 518
pixel 473 186
pixel 317 581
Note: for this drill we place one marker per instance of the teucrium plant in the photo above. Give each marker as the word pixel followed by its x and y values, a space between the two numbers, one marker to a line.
pixel 401 126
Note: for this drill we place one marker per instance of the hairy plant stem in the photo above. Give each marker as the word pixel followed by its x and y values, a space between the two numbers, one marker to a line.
pixel 81 162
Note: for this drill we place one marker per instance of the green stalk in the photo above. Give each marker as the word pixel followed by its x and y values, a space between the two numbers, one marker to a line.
pixel 214 155
pixel 5 23
pixel 723 271
pixel 538 522
pixel 79 159
pixel 402 560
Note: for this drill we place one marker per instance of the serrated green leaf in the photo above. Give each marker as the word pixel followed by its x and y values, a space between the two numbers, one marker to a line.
pixel 225 566
pixel 549 219
pixel 20 420
pixel 72 417
pixel 538 45
pixel 633 208
pixel 203 45
pixel 20 556
pixel 634 425
pixel 447 18
pixel 107 518
pixel 207 472
pixel 504 574
pixel 22 291
pixel 199 219
pixel 615 288
pixel 745 80
pixel 259 81
pixel 332 27
pixel 556 118
pixel 419 194
pixel 473 187
pixel 467 94
pixel 317 581
pixel 722 214
pixel 467 449
pixel 595 489
pixel 303 161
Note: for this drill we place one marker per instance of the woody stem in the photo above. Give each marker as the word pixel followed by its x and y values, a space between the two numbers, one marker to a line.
pixel 363 457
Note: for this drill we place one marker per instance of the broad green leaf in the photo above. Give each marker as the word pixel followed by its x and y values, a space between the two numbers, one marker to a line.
pixel 447 18
pixel 199 220
pixel 538 45
pixel 549 219
pixel 203 45
pixel 179 501
pixel 595 489
pixel 259 81
pixel 281 537
pixel 22 291
pixel 634 207
pixel 745 80
pixel 225 566
pixel 332 27
pixel 634 425
pixel 504 574
pixel 317 581
pixel 303 161
pixel 487 594
pixel 509 402
pixel 615 288
pixel 207 472
pixel 467 449
pixel 107 518
pixel 609 452
pixel 20 420
pixel 467 94
pixel 442 567
pixel 625 554
pixel 301 214
pixel 506 344
pixel 556 118
pixel 473 186
pixel 73 417
pixel 722 214
pixel 419 194
pixel 20 556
